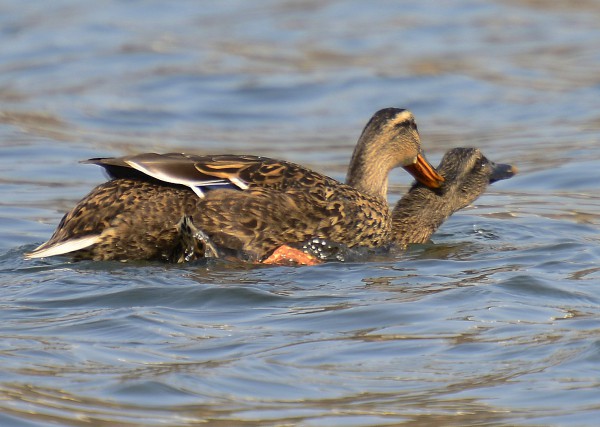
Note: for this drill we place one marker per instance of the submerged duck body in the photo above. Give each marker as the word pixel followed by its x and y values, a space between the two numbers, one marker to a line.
pixel 247 204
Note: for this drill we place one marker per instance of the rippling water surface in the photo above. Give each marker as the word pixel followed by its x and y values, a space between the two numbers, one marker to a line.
pixel 495 323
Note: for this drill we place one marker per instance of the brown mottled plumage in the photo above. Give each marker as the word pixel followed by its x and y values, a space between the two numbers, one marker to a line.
pixel 242 203
pixel 415 217
pixel 422 210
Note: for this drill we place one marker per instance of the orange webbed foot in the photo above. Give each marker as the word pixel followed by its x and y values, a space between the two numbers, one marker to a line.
pixel 286 255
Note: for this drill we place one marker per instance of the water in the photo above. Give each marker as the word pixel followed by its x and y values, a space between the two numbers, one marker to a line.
pixel 496 323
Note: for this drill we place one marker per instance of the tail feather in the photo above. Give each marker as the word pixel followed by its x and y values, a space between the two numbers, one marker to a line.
pixel 61 248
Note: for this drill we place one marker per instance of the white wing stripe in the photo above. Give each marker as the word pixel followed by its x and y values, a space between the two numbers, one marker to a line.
pixel 237 181
pixel 194 185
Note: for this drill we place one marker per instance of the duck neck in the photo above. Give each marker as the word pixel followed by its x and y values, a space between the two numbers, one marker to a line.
pixel 368 172
pixel 418 215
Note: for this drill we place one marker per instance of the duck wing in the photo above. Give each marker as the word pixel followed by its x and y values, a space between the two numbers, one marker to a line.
pixel 203 172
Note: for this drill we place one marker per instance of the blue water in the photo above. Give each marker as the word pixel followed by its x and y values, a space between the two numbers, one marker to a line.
pixel 495 323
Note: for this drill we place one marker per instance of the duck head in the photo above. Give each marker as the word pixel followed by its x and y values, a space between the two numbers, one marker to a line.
pixel 468 173
pixel 389 140
pixel 421 211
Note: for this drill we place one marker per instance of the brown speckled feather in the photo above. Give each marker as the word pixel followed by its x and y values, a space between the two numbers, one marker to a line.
pixel 422 210
pixel 242 203
pixel 214 170
pixel 239 221
pixel 248 222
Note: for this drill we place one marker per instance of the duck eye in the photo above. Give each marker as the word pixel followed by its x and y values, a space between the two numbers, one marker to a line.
pixel 481 163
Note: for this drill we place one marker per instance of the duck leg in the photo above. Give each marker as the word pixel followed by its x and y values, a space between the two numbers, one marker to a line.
pixel 192 243
pixel 313 252
pixel 286 255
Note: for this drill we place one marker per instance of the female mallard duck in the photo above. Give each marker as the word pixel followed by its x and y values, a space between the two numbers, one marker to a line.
pixel 246 204
pixel 421 211
pixel 416 216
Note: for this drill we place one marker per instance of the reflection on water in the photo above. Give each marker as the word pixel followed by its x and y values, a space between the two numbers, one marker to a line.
pixel 496 323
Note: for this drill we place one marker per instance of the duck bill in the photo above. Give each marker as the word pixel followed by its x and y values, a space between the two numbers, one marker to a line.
pixel 424 173
pixel 502 171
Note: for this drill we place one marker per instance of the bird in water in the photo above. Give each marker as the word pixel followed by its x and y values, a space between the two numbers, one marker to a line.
pixel 421 211
pixel 243 204
pixel 415 217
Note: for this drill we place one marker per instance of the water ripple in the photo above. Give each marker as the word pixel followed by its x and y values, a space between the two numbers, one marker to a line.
pixel 494 323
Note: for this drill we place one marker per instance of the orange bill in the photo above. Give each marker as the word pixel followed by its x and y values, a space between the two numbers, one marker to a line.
pixel 424 173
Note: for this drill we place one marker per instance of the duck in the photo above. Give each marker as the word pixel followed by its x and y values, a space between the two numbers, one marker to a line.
pixel 422 210
pixel 419 213
pixel 467 173
pixel 245 204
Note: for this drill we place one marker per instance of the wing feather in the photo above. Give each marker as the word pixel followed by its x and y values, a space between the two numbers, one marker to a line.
pixel 199 172
pixel 64 247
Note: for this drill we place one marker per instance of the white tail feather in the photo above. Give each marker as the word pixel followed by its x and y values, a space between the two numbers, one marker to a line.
pixel 63 247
